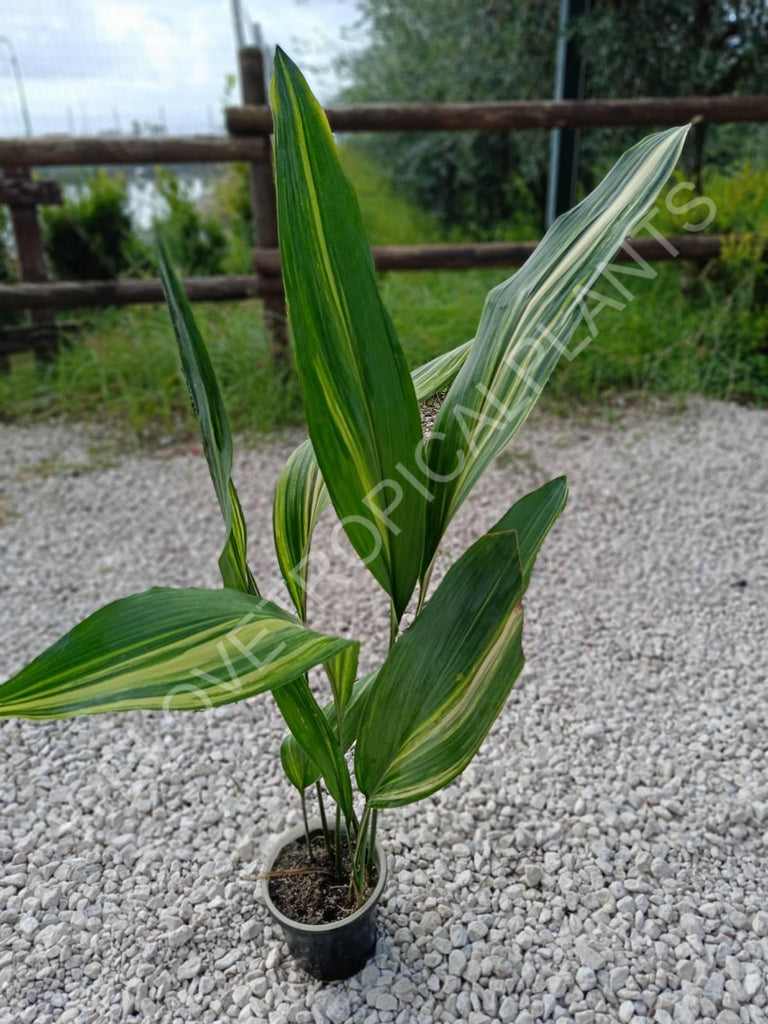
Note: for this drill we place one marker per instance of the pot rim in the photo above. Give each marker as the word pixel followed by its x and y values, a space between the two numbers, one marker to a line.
pixel 288 837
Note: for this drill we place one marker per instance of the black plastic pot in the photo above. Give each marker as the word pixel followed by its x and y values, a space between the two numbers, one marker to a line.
pixel 329 951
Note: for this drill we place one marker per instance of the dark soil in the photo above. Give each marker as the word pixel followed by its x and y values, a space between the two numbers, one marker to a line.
pixel 312 893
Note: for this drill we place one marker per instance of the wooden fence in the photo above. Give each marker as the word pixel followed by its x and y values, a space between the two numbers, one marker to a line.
pixel 249 127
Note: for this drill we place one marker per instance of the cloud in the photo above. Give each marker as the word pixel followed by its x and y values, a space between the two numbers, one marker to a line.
pixel 93 65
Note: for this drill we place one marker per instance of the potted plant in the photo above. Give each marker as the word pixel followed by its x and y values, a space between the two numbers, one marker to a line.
pixel 417 721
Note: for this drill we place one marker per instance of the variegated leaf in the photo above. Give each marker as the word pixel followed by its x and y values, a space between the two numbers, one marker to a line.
pixel 300 498
pixel 361 409
pixel 438 373
pixel 167 649
pixel 527 323
pixel 297 764
pixel 314 732
pixel 301 495
pixel 214 427
pixel 532 517
pixel 449 675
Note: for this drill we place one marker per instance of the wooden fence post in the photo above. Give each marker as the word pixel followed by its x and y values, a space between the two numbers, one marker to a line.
pixel 264 207
pixel 22 195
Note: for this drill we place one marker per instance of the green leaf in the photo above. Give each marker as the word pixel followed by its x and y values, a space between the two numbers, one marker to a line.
pixel 438 373
pixel 527 323
pixel 532 517
pixel 361 409
pixel 301 496
pixel 314 733
pixel 297 764
pixel 449 675
pixel 167 649
pixel 342 670
pixel 214 427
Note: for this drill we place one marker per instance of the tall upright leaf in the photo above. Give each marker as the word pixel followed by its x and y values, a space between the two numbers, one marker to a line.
pixel 214 427
pixel 301 496
pixel 167 649
pixel 358 396
pixel 527 323
pixel 449 675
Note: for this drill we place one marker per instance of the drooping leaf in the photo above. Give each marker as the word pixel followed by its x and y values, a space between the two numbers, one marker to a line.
pixel 527 323
pixel 301 495
pixel 214 427
pixel 167 649
pixel 449 675
pixel 298 766
pixel 314 733
pixel 358 396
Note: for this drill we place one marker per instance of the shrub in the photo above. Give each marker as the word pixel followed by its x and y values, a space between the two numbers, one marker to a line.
pixel 90 236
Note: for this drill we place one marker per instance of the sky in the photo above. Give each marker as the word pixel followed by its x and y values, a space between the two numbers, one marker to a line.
pixel 90 66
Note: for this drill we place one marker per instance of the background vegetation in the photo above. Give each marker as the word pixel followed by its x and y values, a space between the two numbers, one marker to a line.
pixel 690 328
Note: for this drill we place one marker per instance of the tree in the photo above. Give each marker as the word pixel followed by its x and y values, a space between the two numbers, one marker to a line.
pixel 442 50
pixel 448 50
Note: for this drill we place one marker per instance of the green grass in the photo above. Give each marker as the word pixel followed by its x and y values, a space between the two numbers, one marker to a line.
pixel 687 330
pixel 123 371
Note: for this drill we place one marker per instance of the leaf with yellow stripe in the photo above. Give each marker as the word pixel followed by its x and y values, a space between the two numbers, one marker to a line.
pixel 301 496
pixel 313 731
pixel 449 675
pixel 302 769
pixel 214 427
pixel 361 409
pixel 527 323
pixel 167 649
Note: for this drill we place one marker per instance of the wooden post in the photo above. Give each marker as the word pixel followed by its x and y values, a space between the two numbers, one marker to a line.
pixel 264 207
pixel 22 196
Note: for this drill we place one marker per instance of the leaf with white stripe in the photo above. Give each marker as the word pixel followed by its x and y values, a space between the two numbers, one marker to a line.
pixel 361 409
pixel 214 427
pixel 167 649
pixel 449 675
pixel 438 373
pixel 527 323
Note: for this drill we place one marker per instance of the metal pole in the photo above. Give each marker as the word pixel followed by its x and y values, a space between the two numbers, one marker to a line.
pixel 569 85
pixel 16 68
pixel 237 21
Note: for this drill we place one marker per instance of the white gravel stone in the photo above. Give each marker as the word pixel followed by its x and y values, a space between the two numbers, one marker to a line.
pixel 603 858
pixel 181 936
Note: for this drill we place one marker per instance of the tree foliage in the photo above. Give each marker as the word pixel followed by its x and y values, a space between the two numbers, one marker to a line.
pixel 448 50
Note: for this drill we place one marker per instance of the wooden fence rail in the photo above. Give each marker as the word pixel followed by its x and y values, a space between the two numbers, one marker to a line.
pixel 418 117
pixel 81 151
pixel 268 285
pixel 249 128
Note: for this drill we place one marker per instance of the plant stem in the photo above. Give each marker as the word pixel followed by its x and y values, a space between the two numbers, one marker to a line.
pixel 326 834
pixel 393 624
pixel 337 840
pixel 423 587
pixel 306 826
pixel 358 860
pixel 372 841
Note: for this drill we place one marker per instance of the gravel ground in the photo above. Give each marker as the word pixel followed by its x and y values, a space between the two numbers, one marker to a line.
pixel 604 857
